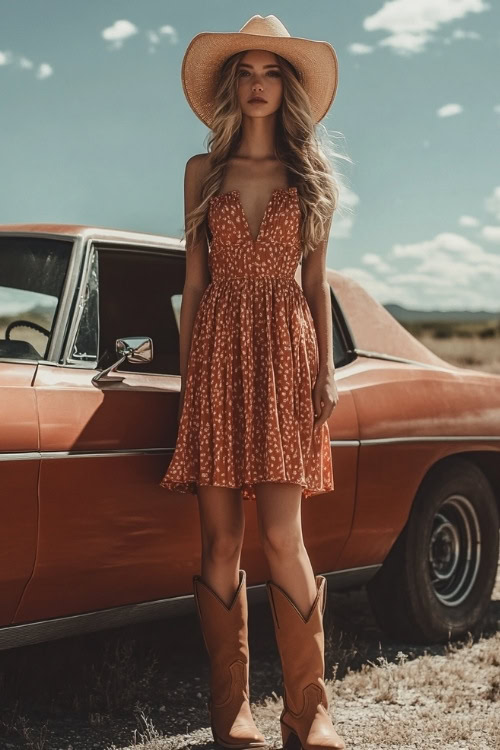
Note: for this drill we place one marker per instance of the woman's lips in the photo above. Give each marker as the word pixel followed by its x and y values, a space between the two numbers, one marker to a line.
pixel 257 101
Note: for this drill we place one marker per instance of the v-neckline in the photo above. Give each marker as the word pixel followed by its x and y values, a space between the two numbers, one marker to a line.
pixel 236 192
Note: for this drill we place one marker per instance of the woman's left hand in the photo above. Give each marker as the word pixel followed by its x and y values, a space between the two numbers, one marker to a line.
pixel 325 397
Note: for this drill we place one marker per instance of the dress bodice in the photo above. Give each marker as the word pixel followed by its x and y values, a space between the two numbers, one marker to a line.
pixel 276 250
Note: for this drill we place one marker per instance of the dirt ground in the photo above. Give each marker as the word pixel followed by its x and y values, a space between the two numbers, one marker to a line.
pixel 147 686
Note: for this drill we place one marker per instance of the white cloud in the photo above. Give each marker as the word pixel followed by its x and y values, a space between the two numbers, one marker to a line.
pixel 425 291
pixel 377 263
pixel 405 44
pixel 154 40
pixel 448 110
pixel 449 267
pixel 356 48
pixel 422 279
pixel 465 34
pixel 381 289
pixel 452 257
pixel 118 32
pixel 343 218
pixel 5 58
pixel 446 272
pixel 492 203
pixel 447 241
pixel 123 29
pixel 341 227
pixel 492 234
pixel 44 70
pixel 496 109
pixel 411 23
pixel 468 221
pixel 24 62
pixel 169 32
pixel 347 197
pixel 461 34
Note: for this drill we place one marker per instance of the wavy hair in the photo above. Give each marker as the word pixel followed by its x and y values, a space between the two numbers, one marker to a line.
pixel 303 146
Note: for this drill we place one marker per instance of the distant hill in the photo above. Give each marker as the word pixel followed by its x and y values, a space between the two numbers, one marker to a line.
pixel 440 316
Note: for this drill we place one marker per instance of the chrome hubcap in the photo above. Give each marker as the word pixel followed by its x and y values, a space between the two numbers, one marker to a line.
pixel 454 550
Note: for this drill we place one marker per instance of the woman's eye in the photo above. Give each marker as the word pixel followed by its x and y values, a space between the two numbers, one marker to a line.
pixel 270 72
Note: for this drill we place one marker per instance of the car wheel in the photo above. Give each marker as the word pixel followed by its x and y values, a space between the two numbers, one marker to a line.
pixel 436 582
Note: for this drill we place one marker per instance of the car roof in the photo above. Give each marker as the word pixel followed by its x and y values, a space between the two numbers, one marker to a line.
pixel 86 231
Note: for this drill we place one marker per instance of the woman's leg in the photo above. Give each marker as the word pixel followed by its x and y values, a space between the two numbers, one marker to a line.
pixel 297 598
pixel 280 528
pixel 221 598
pixel 222 524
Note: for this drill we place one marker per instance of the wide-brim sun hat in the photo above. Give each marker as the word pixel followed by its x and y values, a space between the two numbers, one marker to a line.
pixel 315 61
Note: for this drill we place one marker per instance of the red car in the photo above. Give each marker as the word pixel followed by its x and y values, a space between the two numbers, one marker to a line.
pixel 89 384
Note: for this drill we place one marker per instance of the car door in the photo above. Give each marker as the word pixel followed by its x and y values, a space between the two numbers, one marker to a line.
pixel 32 275
pixel 108 533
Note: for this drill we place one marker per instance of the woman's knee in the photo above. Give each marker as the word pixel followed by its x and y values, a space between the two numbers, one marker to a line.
pixel 222 522
pixel 280 541
pixel 222 546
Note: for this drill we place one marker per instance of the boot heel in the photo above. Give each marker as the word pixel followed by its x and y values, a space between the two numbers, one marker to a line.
pixel 290 740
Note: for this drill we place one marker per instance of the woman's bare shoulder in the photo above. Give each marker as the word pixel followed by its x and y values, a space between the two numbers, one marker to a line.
pixel 197 167
pixel 194 178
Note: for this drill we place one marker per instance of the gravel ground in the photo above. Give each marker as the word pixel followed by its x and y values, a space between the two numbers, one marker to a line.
pixel 147 686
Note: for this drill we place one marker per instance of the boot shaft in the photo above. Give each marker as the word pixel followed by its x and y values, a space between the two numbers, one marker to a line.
pixel 300 644
pixel 224 628
pixel 225 633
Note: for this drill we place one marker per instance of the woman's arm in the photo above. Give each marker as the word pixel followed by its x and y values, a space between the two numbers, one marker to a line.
pixel 317 292
pixel 197 275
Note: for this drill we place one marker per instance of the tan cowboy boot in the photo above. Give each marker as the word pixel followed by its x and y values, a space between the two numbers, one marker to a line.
pixel 225 632
pixel 305 722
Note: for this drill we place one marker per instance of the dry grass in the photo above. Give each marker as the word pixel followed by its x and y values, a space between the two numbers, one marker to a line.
pixel 445 697
pixel 147 686
pixel 475 352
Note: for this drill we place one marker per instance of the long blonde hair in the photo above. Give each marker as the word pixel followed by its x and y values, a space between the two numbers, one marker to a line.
pixel 299 146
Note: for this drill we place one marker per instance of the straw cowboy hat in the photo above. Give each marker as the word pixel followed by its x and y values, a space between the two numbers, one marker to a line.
pixel 316 63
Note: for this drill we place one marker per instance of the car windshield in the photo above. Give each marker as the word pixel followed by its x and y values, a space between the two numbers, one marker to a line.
pixel 32 274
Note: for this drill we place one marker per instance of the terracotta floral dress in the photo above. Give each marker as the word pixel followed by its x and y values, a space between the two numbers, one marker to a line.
pixel 248 413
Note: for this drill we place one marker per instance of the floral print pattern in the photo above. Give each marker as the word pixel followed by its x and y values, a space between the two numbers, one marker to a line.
pixel 248 413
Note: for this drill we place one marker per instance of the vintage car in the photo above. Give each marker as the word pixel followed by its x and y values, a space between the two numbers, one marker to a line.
pixel 89 389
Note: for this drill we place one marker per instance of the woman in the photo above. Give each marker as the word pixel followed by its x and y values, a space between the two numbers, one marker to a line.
pixel 256 354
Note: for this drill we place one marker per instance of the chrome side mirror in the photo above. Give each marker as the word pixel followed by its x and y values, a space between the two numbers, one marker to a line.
pixel 136 350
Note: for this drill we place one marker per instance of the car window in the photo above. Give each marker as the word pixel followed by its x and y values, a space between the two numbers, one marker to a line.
pixel 32 274
pixel 86 342
pixel 139 295
pixel 342 341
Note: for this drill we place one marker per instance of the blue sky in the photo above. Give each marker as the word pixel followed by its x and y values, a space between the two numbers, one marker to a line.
pixel 94 128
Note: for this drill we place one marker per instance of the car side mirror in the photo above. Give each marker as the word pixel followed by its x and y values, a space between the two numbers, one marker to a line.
pixel 136 350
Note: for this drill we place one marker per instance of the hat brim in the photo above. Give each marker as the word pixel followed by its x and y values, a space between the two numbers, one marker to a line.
pixel 315 61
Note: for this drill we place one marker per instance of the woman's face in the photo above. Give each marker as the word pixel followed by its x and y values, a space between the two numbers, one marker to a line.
pixel 258 74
